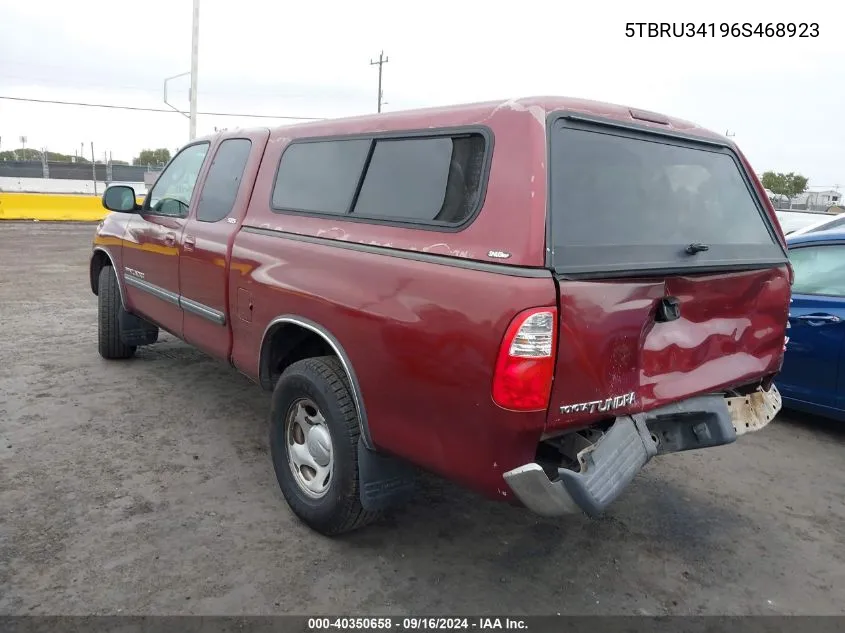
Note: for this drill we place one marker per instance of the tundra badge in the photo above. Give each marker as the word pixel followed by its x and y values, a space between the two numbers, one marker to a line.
pixel 608 404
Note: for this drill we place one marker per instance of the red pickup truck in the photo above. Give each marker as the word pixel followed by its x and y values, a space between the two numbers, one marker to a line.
pixel 531 297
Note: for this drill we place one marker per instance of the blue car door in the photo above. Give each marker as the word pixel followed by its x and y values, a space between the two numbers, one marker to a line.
pixel 811 368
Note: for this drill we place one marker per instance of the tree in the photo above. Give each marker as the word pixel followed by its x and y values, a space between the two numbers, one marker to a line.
pixel 789 185
pixel 158 156
pixel 55 157
pixel 35 155
pixel 21 154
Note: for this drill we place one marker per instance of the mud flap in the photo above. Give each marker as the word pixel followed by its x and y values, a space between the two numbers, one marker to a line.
pixel 136 331
pixel 385 481
pixel 609 466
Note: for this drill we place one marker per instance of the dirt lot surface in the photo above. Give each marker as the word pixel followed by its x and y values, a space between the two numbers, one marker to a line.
pixel 146 487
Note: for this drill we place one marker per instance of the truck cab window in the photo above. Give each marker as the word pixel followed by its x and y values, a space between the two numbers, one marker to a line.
pixel 224 180
pixel 171 195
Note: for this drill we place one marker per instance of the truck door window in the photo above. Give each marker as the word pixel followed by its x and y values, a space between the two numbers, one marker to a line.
pixel 819 270
pixel 223 180
pixel 171 195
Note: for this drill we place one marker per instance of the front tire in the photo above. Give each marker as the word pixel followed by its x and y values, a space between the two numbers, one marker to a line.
pixel 109 305
pixel 314 433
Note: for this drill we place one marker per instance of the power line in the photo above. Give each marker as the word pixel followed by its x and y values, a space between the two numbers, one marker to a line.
pixel 52 82
pixel 140 109
pixel 77 83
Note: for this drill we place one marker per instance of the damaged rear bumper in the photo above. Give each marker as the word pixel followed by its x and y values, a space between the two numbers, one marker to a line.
pixel 609 465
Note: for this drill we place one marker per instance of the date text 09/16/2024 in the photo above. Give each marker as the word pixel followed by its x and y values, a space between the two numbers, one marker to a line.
pixel 416 624
pixel 722 29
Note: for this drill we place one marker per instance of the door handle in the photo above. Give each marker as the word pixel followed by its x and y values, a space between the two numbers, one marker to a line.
pixel 170 239
pixel 190 242
pixel 818 318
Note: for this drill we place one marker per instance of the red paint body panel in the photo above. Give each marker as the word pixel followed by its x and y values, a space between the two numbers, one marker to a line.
pixel 109 237
pixel 147 248
pixel 730 333
pixel 423 348
pixel 513 216
pixel 423 337
pixel 205 253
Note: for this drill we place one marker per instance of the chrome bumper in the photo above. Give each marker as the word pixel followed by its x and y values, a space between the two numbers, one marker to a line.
pixel 609 465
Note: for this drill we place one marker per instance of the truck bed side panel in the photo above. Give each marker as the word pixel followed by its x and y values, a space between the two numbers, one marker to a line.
pixel 422 338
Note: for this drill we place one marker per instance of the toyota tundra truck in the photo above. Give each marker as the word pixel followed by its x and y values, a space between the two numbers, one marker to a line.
pixel 530 297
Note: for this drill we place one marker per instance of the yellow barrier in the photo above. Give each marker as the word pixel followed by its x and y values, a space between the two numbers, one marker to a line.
pixel 51 207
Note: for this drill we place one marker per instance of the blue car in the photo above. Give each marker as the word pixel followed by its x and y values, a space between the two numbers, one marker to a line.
pixel 813 374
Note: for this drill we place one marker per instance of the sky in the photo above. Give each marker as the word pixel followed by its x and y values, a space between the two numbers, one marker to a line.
pixel 782 99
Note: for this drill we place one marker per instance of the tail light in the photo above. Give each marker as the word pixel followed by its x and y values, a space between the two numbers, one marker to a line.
pixel 525 367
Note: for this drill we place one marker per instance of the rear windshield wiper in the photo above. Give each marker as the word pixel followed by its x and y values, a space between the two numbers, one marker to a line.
pixel 696 247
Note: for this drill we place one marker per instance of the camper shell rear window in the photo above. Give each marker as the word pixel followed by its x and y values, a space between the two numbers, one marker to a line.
pixel 626 201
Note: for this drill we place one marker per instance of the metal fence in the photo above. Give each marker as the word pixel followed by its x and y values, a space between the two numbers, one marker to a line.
pixel 783 205
pixel 105 172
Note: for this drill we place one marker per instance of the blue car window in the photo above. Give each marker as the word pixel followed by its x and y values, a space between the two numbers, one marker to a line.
pixel 819 270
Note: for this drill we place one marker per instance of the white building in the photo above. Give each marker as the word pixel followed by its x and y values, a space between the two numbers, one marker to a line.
pixel 826 198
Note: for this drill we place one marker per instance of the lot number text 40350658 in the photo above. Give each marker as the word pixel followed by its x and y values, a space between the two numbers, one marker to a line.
pixel 416 623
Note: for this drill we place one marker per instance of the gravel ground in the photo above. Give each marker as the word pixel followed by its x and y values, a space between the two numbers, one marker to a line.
pixel 146 487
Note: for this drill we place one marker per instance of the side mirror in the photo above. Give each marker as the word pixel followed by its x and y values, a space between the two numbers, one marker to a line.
pixel 120 198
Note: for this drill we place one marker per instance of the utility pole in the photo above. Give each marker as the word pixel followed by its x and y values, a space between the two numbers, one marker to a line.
pixel 382 60
pixel 195 38
pixel 94 168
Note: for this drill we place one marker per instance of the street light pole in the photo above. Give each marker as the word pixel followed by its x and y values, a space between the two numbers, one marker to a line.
pixel 195 36
pixel 192 94
pixel 166 102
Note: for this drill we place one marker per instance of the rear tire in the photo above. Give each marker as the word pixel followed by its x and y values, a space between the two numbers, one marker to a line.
pixel 109 305
pixel 314 433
